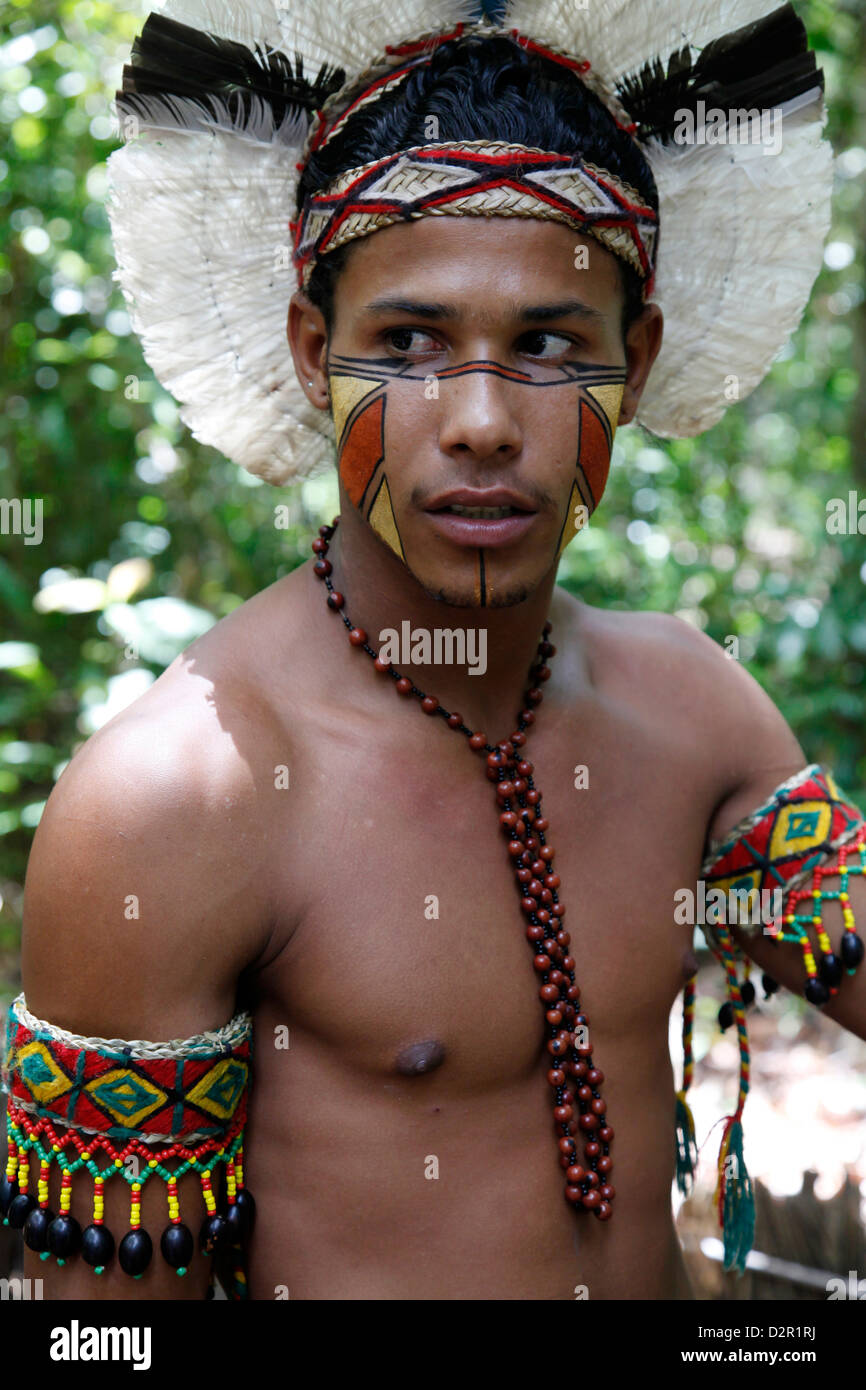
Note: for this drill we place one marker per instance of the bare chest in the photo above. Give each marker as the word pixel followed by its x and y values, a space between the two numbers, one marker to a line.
pixel 407 950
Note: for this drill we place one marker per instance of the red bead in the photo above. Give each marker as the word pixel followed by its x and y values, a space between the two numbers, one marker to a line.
pixel 605 1133
pixel 477 741
pixel 598 1106
pixel 534 696
pixel 357 637
pixel 381 666
pixel 591 1199
pixel 505 789
pixel 534 932
pixel 556 1076
pixel 404 685
pixel 592 1179
pixel 533 797
pixel 592 1149
pixel 519 786
pixel 524 875
pixel 568 963
pixel 595 1076
pixel 576 1173
pixel 518 739
pixel 528 904
pixel 527 717
pixel 524 768
pixel 604 1210
pixel 335 600
pixel 605 1163
pixel 542 964
pixel 508 818
pixel 322 567
pixel 454 720
pixel 607 1191
pixel 552 881
pixel 545 896
pixel 573 1194
pixel 319 545
pixel 553 1016
pixel 549 993
pixel 547 853
pixel 543 673
pixel 495 759
pixel 588 1122
pixel 584 1093
pixel 429 704
pixel 563 1112
pixel 566 1146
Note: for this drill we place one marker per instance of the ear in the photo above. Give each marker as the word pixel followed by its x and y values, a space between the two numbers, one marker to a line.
pixel 642 343
pixel 308 340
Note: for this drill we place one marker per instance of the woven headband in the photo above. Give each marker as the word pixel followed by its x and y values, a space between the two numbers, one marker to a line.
pixel 481 179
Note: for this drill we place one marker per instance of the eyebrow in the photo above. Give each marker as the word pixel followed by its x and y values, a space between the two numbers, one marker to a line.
pixel 525 313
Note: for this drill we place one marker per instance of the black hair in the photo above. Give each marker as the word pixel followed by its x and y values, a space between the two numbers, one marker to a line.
pixel 481 87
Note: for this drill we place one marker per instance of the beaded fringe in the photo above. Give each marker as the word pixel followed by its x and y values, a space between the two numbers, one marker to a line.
pixel 61 1235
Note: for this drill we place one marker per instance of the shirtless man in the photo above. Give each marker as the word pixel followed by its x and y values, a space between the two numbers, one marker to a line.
pixel 415 1036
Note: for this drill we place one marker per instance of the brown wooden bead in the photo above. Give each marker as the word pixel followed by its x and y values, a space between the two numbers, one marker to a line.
pixel 607 1191
pixel 429 704
pixel 534 932
pixel 592 1149
pixel 319 545
pixel 524 875
pixel 598 1106
pixel 357 637
pixel 517 739
pixel 605 1163
pixel 542 824
pixel 553 1016
pixel 335 600
pixel 595 1076
pixel 547 853
pixel 584 1093
pixel 568 963
pixel 534 888
pixel 542 964
pixel 549 993
pixel 454 720
pixel 604 1210
pixel 591 1199
pixel 588 1122
pixel 566 1146
pixel 563 1112
pixel 592 1179
pixel 576 1173
pixel 505 790
pixel 545 896
pixel 552 881
pixel 404 686
pixel 556 1076
pixel 508 819
pixel 605 1133
pixel 573 1194
pixel 322 568
pixel 477 740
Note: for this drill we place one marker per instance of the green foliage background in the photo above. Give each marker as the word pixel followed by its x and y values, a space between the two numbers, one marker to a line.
pixel 728 529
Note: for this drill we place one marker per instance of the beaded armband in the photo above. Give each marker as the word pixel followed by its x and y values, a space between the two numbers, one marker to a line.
pixel 133 1111
pixel 783 864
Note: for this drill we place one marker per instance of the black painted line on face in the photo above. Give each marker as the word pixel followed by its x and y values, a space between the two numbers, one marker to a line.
pixel 385 369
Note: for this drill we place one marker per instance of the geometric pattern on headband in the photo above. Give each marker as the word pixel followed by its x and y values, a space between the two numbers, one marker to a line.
pixel 483 179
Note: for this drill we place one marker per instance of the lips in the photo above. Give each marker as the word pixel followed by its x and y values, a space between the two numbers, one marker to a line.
pixel 483 504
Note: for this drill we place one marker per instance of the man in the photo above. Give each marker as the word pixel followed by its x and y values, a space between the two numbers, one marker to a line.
pixel 269 827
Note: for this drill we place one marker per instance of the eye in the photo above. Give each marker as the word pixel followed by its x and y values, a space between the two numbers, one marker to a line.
pixel 411 340
pixel 544 345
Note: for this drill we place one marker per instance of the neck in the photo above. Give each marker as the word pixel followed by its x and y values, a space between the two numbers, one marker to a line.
pixel 487 681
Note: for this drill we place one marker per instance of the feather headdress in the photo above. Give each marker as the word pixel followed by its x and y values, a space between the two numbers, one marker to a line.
pixel 219 104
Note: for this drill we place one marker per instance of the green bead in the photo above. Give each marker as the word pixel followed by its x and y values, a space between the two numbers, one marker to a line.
pixel 46 1254
pixel 98 1269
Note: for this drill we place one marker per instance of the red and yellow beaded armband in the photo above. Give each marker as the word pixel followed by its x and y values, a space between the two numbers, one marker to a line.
pixel 133 1111
pixel 778 871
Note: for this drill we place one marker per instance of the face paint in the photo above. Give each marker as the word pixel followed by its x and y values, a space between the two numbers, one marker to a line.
pixel 359 390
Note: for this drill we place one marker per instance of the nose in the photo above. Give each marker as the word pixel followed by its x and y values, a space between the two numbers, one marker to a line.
pixel 478 423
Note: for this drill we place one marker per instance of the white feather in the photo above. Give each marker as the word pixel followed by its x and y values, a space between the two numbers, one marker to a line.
pixel 619 36
pixel 348 33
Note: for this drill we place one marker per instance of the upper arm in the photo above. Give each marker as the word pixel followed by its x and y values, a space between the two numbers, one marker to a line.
pixel 135 928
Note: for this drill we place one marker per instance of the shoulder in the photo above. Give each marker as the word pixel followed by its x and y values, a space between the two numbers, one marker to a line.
pixel 145 887
pixel 678 678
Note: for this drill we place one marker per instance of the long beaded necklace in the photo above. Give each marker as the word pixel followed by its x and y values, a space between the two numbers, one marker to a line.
pixel 573 1074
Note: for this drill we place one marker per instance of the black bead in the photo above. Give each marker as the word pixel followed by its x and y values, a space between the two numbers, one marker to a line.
pixel 135 1252
pixel 770 985
pixel 8 1190
pixel 726 1015
pixel 19 1209
pixel 830 970
pixel 177 1246
pixel 747 992
pixel 851 950
pixel 36 1229
pixel 97 1246
pixel 64 1237
pixel 214 1234
pixel 816 992
pixel 245 1204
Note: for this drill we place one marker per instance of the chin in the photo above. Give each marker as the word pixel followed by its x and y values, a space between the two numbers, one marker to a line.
pixel 457 596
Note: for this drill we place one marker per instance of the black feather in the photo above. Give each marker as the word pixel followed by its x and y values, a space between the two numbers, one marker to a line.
pixel 762 65
pixel 170 59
